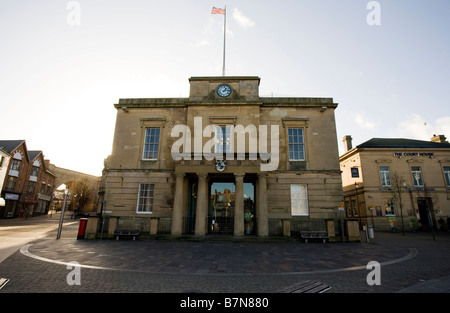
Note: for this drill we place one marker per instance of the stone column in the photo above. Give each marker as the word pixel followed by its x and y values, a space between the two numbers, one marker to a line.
pixel 239 205
pixel 177 214
pixel 202 203
pixel 261 213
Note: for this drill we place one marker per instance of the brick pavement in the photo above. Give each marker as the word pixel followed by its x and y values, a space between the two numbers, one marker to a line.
pixel 228 266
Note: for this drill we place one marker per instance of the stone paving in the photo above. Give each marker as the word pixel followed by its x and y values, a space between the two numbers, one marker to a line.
pixel 228 266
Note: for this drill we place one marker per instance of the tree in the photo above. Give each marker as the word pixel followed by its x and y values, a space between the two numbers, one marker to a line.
pixel 397 182
pixel 82 193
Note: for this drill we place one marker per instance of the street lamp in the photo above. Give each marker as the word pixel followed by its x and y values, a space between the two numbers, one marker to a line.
pixel 66 191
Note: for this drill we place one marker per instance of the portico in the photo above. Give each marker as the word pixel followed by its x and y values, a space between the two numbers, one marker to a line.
pixel 220 204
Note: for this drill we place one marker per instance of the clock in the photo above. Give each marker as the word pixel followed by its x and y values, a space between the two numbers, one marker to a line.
pixel 223 91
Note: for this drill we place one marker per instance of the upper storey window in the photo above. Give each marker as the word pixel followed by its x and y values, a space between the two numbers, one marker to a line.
pixel 296 144
pixel 151 143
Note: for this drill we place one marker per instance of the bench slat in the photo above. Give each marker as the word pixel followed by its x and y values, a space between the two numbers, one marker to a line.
pixel 126 232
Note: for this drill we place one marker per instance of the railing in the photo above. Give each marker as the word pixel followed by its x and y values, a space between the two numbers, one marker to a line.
pixel 134 222
pixel 298 225
pixel 275 227
pixel 220 227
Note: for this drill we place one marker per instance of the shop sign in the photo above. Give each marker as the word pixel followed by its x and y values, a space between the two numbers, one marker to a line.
pixel 31 198
pixel 11 196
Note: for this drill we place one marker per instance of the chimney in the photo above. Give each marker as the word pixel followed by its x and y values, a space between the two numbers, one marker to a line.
pixel 347 142
pixel 439 138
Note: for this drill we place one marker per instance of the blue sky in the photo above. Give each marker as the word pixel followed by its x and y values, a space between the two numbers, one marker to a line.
pixel 59 81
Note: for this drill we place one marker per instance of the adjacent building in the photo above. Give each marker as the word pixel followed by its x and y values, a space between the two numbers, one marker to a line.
pixel 397 183
pixel 4 163
pixel 224 161
pixel 28 184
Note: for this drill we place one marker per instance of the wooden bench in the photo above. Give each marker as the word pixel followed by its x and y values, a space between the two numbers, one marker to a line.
pixel 126 233
pixel 314 235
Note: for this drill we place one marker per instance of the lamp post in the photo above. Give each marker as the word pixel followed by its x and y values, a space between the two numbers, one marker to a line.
pixel 66 191
pixel 371 208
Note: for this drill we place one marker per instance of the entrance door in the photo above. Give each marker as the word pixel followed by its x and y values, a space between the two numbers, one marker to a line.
pixel 192 204
pixel 221 208
pixel 425 212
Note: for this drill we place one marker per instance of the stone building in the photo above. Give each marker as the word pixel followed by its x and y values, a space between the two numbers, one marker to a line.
pixel 397 183
pixel 224 161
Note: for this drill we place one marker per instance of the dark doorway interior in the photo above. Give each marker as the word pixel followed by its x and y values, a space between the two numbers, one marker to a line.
pixel 425 206
pixel 221 207
pixel 192 203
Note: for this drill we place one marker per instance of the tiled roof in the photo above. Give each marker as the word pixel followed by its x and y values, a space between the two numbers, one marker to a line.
pixel 401 143
pixel 10 145
pixel 33 154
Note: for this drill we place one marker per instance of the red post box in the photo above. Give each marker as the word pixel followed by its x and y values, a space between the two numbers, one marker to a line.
pixel 82 228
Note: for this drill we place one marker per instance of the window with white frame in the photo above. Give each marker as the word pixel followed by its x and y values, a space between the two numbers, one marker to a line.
pixel 145 198
pixel 296 144
pixel 15 164
pixel 151 143
pixel 31 187
pixel 385 176
pixel 34 171
pixel 416 172
pixel 447 175
pixel 299 200
pixel 42 188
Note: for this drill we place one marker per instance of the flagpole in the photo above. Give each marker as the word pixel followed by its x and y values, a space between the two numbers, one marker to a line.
pixel 224 38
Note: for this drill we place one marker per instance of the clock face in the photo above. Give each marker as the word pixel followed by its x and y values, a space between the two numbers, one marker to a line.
pixel 223 91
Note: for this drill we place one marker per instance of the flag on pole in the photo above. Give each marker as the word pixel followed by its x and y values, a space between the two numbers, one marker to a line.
pixel 224 12
pixel 217 11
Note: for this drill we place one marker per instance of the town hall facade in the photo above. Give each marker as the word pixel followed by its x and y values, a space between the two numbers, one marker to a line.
pixel 224 161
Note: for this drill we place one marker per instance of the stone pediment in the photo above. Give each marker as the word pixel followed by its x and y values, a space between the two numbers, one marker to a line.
pixel 414 160
pixel 383 161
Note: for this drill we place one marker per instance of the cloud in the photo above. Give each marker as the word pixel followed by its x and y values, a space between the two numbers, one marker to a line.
pixel 201 43
pixel 416 127
pixel 442 126
pixel 413 127
pixel 364 122
pixel 242 20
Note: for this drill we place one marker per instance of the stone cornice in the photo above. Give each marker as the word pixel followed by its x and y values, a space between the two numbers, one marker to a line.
pixel 235 100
